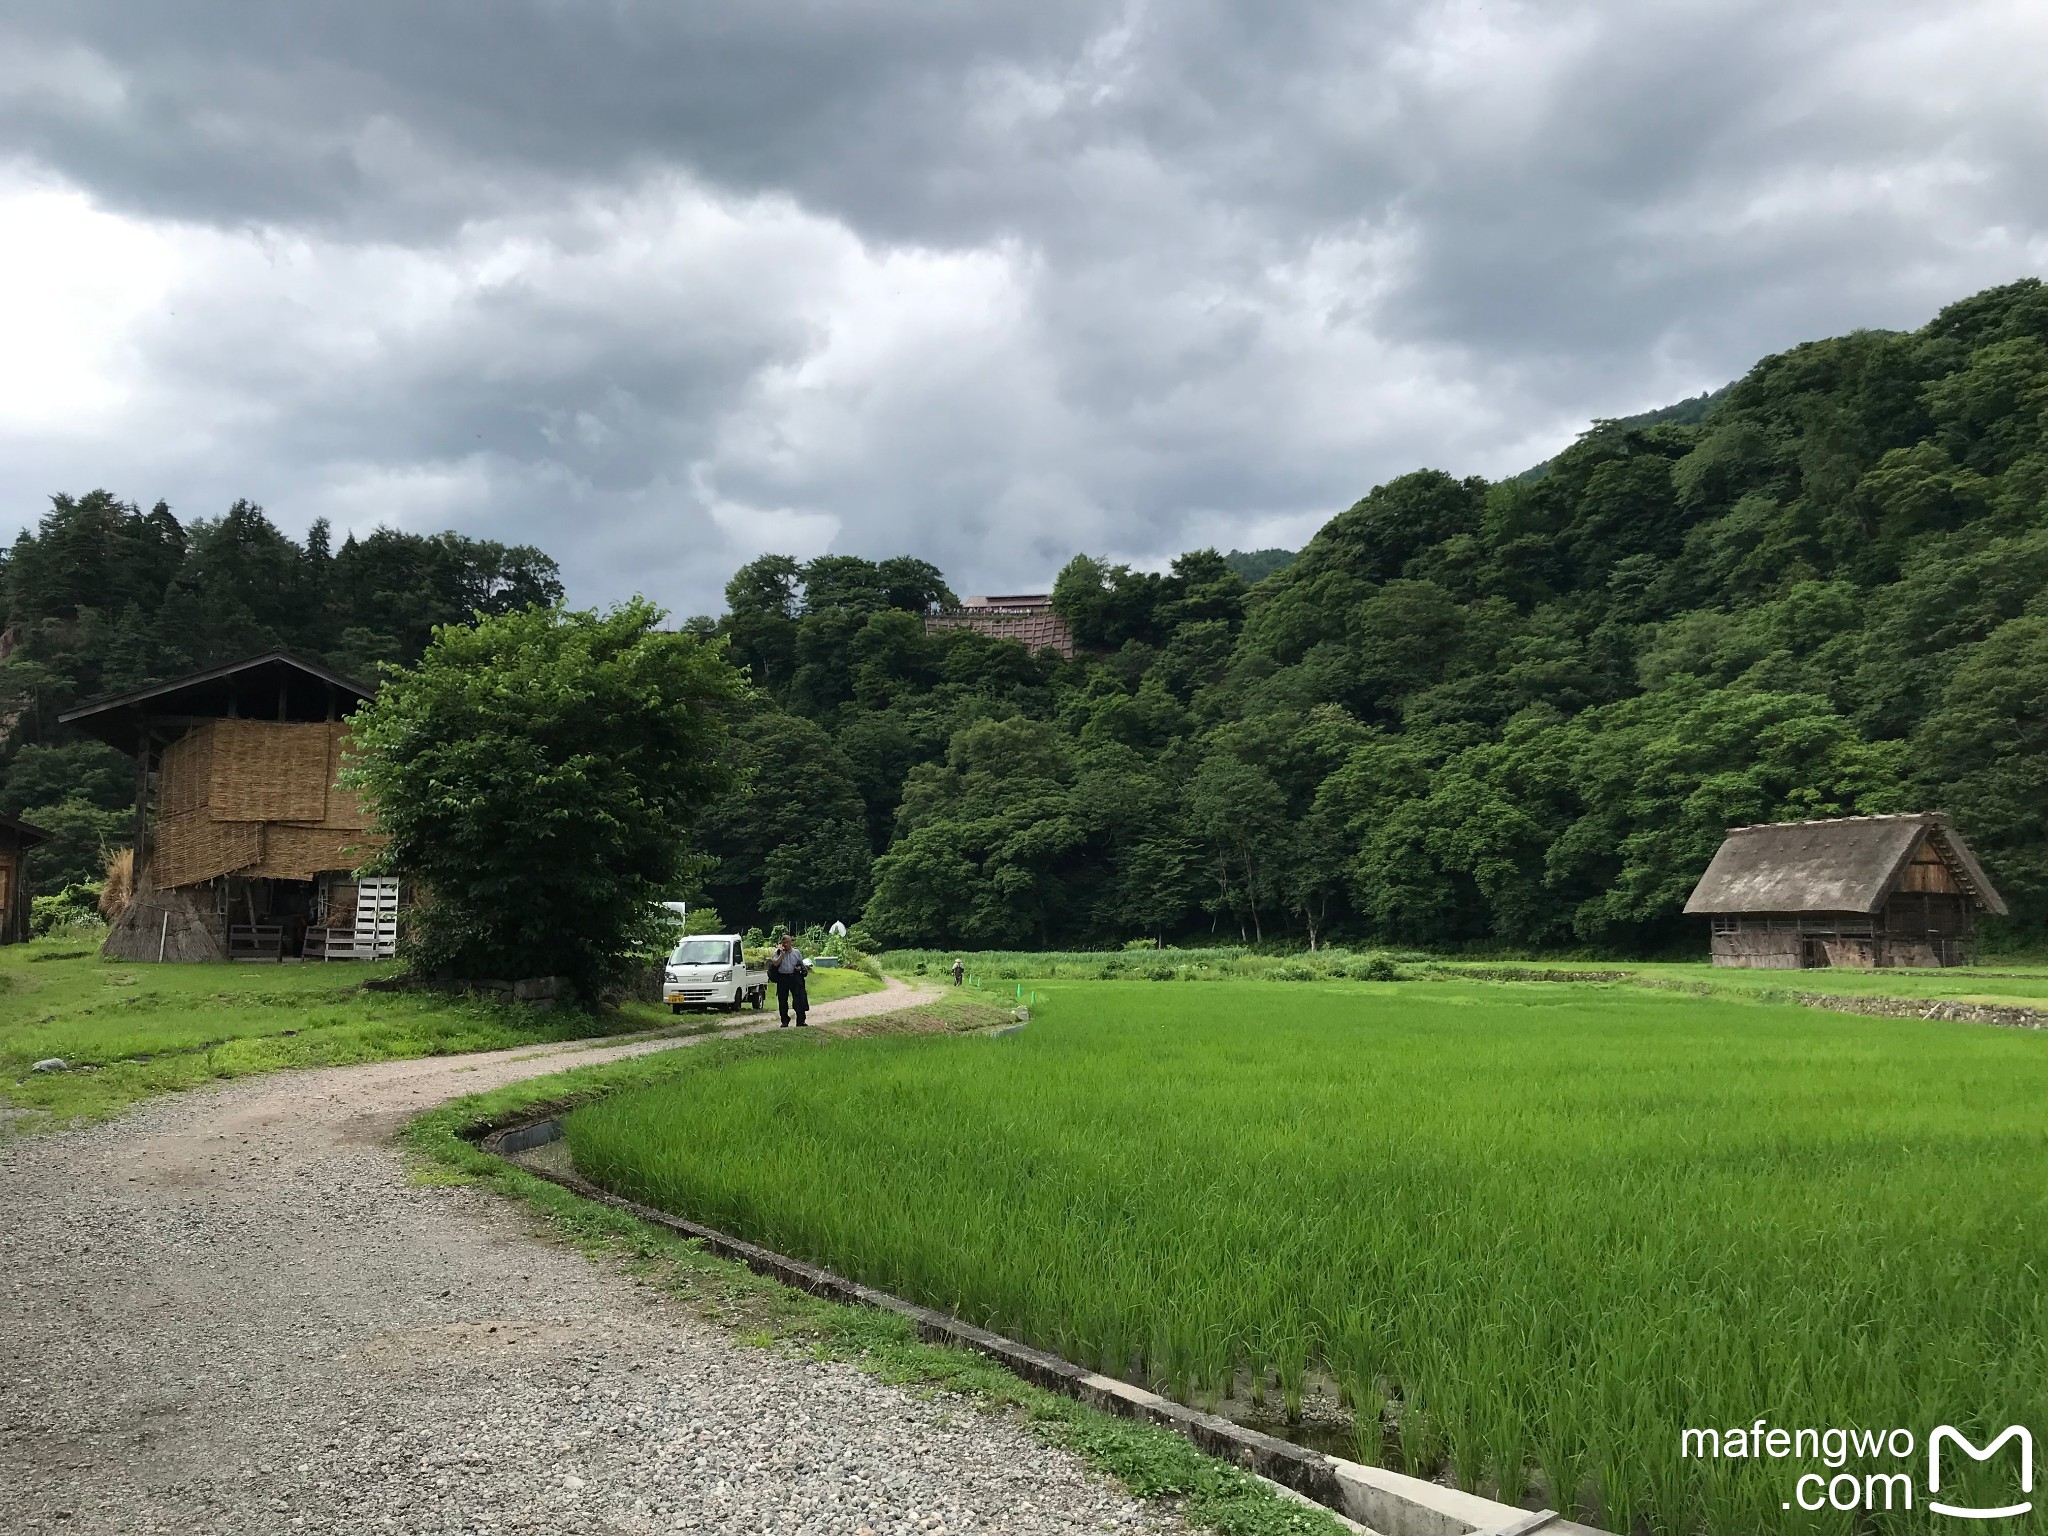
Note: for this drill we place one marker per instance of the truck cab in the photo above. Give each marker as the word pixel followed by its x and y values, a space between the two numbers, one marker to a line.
pixel 709 970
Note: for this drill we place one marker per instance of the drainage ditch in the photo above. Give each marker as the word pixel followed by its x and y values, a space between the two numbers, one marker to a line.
pixel 1385 1502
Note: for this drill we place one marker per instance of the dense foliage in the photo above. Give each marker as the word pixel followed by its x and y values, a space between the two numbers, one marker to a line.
pixel 536 774
pixel 102 596
pixel 1518 713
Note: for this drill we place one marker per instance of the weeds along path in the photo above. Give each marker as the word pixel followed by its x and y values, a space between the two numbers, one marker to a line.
pixel 228 1311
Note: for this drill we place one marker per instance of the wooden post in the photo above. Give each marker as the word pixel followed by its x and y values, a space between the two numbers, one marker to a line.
pixel 140 857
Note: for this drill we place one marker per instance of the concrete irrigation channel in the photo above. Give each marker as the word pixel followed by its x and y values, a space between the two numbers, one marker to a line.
pixel 1371 1498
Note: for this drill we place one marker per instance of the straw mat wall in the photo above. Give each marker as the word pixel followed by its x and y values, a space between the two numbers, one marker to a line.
pixel 257 798
pixel 300 853
pixel 194 847
pixel 343 808
pixel 264 771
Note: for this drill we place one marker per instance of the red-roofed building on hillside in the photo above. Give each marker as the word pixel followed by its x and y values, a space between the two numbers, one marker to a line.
pixel 1026 618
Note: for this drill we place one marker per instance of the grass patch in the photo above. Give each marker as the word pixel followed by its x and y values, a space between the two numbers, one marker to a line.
pixel 998 972
pixel 1149 1461
pixel 1531 1230
pixel 825 986
pixel 128 1031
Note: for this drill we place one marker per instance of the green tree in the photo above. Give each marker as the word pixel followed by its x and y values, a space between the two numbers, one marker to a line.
pixel 1241 816
pixel 763 599
pixel 538 776
pixel 1983 756
pixel 790 838
pixel 988 843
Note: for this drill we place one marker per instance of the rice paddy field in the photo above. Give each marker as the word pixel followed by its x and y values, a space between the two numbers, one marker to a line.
pixel 1529 1232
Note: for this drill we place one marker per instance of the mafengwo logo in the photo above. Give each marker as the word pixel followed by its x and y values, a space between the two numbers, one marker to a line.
pixel 1871 1469
pixel 1947 1435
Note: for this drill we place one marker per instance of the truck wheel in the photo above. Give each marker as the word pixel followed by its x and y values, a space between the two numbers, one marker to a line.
pixel 675 1007
pixel 734 1005
pixel 760 998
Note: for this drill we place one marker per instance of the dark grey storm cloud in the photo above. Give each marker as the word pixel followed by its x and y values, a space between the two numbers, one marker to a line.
pixel 661 286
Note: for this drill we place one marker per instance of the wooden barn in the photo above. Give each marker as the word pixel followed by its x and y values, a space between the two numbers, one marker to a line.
pixel 1856 891
pixel 245 845
pixel 16 838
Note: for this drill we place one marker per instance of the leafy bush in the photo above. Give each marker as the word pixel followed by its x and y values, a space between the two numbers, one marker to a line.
pixel 76 906
pixel 1380 968
pixel 538 774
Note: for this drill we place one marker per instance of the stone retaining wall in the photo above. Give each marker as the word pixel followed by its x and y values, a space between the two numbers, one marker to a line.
pixel 1928 1008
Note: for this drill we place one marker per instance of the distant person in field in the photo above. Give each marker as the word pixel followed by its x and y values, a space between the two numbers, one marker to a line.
pixel 788 967
pixel 959 972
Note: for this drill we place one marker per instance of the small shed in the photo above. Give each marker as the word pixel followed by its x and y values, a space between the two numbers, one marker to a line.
pixel 1854 890
pixel 245 843
pixel 16 838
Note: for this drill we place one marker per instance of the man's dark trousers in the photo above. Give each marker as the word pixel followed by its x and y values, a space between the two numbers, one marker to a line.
pixel 785 988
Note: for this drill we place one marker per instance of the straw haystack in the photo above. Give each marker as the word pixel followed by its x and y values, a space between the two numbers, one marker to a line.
pixel 117 885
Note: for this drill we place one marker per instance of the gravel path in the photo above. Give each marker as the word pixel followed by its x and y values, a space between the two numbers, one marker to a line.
pixel 228 1312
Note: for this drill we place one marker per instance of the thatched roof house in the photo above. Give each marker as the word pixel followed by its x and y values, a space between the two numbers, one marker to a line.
pixel 245 844
pixel 1855 890
pixel 16 838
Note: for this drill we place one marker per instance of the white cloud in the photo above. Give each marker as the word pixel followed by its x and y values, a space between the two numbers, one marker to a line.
pixel 75 282
pixel 676 286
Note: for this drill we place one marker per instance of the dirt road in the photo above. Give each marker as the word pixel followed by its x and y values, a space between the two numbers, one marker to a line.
pixel 229 1312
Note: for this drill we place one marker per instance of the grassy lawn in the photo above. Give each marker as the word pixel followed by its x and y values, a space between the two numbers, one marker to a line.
pixel 129 1031
pixel 1530 1232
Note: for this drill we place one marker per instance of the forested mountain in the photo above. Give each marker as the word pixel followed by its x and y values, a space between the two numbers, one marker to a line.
pixel 1519 713
pixel 103 596
pixel 1255 565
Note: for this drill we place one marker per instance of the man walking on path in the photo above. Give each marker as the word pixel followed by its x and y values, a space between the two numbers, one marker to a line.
pixel 789 967
pixel 959 970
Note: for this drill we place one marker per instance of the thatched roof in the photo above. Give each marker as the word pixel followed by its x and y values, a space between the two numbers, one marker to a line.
pixel 1849 864
pixel 274 686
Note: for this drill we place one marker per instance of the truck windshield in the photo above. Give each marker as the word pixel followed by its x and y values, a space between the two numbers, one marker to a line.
pixel 702 952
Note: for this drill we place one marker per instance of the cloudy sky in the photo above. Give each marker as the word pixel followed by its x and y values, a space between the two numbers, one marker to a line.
pixel 659 286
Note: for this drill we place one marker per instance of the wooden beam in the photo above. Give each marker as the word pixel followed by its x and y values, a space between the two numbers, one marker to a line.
pixel 140 857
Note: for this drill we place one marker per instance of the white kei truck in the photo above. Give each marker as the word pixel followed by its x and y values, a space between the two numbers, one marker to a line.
pixel 710 970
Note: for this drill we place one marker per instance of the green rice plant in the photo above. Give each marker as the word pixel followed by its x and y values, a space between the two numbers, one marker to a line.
pixel 1537 1230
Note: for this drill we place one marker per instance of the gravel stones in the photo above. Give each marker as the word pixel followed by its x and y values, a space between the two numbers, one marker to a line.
pixel 229 1312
